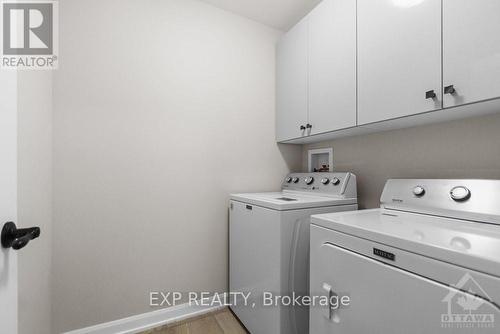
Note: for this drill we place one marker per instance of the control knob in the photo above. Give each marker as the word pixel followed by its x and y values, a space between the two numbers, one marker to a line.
pixel 288 179
pixel 460 194
pixel 295 180
pixel 335 181
pixel 309 180
pixel 419 191
pixel 325 180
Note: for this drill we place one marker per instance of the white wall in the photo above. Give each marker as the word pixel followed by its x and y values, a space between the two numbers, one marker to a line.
pixel 35 199
pixel 162 108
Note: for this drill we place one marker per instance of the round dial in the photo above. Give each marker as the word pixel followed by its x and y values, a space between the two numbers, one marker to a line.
pixel 295 180
pixel 460 194
pixel 309 180
pixel 419 191
pixel 288 179
pixel 325 180
pixel 335 181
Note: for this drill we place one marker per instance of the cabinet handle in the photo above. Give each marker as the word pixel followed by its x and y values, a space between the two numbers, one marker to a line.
pixel 430 94
pixel 450 90
pixel 309 126
pixel 302 127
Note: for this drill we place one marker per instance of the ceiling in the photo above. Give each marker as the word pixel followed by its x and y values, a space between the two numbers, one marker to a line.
pixel 279 14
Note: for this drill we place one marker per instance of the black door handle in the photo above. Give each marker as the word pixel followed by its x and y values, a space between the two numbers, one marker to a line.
pixel 430 94
pixel 18 238
pixel 309 126
pixel 302 128
pixel 450 90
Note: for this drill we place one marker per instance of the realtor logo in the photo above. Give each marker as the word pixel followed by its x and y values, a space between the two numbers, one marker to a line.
pixel 29 34
pixel 468 306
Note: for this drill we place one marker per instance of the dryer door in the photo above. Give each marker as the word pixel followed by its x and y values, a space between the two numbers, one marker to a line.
pixel 388 300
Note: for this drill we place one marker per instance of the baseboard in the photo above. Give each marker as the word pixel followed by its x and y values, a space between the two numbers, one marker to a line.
pixel 146 321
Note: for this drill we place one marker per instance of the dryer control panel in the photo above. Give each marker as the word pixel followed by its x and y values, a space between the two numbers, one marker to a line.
pixel 330 184
pixel 475 200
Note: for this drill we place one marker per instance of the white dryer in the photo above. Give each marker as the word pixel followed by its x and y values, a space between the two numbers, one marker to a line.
pixel 427 261
pixel 269 246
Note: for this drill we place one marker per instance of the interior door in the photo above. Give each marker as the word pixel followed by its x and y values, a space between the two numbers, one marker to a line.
pixel 384 299
pixel 332 66
pixel 399 58
pixel 8 198
pixel 471 50
pixel 291 83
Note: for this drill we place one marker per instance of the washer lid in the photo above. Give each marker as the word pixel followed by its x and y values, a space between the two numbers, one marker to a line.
pixel 288 200
pixel 467 244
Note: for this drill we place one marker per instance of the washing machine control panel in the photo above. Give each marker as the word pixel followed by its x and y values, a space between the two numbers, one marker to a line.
pixel 324 183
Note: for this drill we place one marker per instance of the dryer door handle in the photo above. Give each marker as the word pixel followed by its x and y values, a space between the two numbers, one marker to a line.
pixel 331 311
pixel 328 310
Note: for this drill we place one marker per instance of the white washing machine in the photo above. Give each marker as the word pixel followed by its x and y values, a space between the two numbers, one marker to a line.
pixel 269 246
pixel 427 261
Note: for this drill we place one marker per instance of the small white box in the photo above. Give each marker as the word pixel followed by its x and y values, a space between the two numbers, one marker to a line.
pixel 321 160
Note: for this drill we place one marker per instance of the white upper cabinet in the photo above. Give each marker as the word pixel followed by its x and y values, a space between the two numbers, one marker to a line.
pixel 354 66
pixel 399 58
pixel 332 66
pixel 471 50
pixel 291 83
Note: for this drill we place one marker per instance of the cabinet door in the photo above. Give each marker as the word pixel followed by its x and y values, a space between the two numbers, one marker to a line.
pixel 332 66
pixel 399 58
pixel 291 83
pixel 471 50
